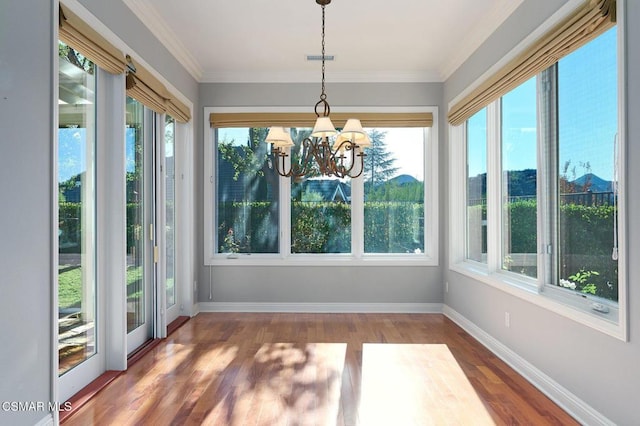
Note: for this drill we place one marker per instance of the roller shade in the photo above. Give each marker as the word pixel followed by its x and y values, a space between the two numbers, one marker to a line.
pixel 75 33
pixel 249 119
pixel 588 22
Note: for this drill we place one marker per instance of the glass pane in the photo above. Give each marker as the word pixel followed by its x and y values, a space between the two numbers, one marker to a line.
pixel 170 198
pixel 247 210
pixel 76 209
pixel 476 246
pixel 394 191
pixel 320 210
pixel 587 175
pixel 519 168
pixel 136 232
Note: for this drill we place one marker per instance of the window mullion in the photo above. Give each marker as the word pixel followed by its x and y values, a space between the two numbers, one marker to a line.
pixel 494 198
pixel 357 217
pixel 285 215
pixel 458 223
pixel 548 243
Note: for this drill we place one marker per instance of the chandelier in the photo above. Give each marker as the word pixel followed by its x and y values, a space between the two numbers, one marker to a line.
pixel 326 151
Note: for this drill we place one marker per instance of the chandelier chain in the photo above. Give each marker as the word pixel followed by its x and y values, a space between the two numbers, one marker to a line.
pixel 323 95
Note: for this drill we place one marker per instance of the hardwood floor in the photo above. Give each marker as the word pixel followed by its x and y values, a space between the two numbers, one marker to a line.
pixel 320 369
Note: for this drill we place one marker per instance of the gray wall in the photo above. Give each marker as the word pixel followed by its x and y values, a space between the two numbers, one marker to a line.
pixel 26 257
pixel 278 285
pixel 601 370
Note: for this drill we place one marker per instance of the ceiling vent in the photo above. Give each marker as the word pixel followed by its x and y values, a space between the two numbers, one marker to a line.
pixel 319 57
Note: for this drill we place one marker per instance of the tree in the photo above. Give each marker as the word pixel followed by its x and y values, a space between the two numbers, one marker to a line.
pixel 568 184
pixel 75 58
pixel 378 166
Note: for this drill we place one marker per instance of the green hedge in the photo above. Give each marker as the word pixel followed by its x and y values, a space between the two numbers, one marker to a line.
pixel 392 227
pixel 321 227
pixel 70 220
pixel 585 244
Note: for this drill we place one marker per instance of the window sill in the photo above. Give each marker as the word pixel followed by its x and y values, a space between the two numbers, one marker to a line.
pixel 570 305
pixel 321 260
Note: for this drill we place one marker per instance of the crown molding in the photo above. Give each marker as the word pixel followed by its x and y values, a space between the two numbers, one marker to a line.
pixel 150 17
pixel 313 77
pixel 474 39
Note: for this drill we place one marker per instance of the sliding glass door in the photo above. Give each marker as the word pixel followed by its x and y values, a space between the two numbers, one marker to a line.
pixel 78 318
pixel 141 234
pixel 169 168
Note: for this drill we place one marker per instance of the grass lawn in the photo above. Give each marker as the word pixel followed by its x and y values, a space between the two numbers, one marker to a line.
pixel 70 285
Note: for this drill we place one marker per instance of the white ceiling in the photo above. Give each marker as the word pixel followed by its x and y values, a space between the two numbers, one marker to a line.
pixel 372 40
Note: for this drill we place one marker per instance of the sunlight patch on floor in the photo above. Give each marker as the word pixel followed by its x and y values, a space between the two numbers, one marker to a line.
pixel 416 384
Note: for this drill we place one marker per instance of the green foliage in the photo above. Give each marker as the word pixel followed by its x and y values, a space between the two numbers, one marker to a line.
pixel 586 242
pixel 75 58
pixel 320 227
pixel 392 191
pixel 249 158
pixel 69 222
pixel 311 196
pixel 247 227
pixel 523 217
pixel 583 277
pixel 393 227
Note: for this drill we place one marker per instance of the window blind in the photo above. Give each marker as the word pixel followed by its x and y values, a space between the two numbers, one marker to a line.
pixel 178 110
pixel 593 18
pixel 145 88
pixel 250 119
pixel 75 33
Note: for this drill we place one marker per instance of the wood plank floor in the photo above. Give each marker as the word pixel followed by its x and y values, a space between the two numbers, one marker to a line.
pixel 320 369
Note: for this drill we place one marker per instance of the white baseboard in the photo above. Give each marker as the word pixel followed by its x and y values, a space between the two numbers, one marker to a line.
pixel 421 308
pixel 576 407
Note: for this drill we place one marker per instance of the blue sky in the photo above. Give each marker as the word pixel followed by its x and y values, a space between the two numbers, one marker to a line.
pixel 587 105
pixel 71 152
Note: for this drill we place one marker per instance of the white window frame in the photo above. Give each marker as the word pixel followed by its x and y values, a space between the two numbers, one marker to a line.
pixel 357 257
pixel 574 306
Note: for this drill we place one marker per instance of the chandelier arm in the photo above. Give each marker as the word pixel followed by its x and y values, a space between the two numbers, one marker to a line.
pixel 282 155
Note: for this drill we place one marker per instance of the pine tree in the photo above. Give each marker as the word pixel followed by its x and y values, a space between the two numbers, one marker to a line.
pixel 379 162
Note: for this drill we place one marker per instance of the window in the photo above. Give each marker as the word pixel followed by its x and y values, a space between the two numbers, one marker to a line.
pixel 551 149
pixel 137 196
pixel 247 192
pixel 169 208
pixel 586 175
pixel 394 191
pixel 476 180
pixel 388 211
pixel 519 170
